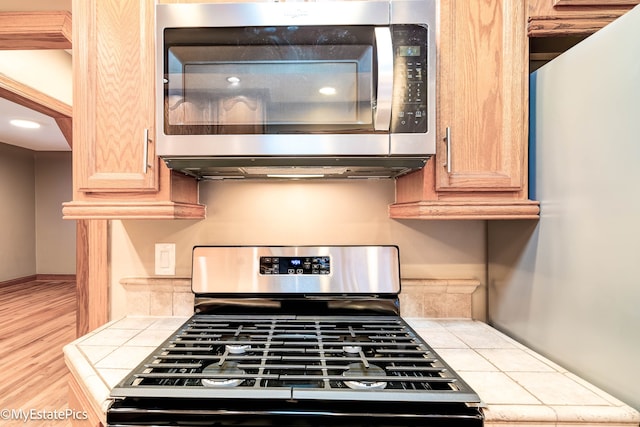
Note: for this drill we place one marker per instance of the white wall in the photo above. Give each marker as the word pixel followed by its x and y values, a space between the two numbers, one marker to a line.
pixel 28 67
pixel 33 237
pixel 55 237
pixel 17 213
pixel 298 213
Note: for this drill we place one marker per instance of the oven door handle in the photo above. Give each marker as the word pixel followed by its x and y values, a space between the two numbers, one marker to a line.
pixel 384 51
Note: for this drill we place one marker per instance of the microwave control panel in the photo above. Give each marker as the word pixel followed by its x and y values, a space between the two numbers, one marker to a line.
pixel 279 265
pixel 409 110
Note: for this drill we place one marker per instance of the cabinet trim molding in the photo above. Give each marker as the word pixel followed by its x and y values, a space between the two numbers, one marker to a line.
pixel 35 30
pixel 109 209
pixel 608 3
pixel 569 25
pixel 482 210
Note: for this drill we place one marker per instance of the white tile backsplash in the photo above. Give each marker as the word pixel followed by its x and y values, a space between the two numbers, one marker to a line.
pixel 437 298
pixel 156 296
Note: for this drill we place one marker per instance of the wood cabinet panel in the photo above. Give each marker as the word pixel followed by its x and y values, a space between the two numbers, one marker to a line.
pixel 35 30
pixel 78 400
pixel 114 95
pixel 482 95
pixel 92 275
pixel 480 167
pixel 116 171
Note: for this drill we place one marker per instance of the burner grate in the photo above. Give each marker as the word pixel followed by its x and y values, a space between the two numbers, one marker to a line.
pixel 301 354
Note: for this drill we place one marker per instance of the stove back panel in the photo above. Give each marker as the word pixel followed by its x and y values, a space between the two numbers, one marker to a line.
pixel 304 270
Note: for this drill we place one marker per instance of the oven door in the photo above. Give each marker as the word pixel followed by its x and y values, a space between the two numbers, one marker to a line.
pixel 253 413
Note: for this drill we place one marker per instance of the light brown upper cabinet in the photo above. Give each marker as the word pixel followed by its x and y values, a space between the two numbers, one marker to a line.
pixel 116 172
pixel 480 167
pixel 573 17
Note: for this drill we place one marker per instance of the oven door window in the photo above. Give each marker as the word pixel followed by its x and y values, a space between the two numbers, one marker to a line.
pixel 256 80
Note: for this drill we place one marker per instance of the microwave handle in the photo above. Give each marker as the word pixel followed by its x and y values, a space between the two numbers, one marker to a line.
pixel 384 50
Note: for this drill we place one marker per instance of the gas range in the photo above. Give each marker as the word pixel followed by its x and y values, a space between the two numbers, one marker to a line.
pixel 295 336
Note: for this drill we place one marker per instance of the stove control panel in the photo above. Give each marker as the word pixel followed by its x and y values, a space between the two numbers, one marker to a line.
pixel 286 265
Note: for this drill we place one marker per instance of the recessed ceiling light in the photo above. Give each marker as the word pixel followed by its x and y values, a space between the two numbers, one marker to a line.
pixel 233 80
pixel 27 124
pixel 327 90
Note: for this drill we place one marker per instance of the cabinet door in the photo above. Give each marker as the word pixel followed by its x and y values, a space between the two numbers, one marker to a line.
pixel 483 96
pixel 114 98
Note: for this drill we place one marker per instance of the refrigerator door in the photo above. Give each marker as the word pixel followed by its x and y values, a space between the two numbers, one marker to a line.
pixel 571 280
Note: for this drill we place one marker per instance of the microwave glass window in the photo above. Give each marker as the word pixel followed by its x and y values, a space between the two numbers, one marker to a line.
pixel 292 92
pixel 278 80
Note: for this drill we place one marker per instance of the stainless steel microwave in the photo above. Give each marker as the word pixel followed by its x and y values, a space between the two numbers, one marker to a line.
pixel 326 88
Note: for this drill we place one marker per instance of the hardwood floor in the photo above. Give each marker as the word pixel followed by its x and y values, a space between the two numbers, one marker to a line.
pixel 37 319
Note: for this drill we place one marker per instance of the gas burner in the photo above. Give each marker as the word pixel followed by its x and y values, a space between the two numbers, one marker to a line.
pixel 228 368
pixel 237 348
pixel 352 349
pixel 359 370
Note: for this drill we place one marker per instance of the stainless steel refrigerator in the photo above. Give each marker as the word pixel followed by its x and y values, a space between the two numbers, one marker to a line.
pixel 568 285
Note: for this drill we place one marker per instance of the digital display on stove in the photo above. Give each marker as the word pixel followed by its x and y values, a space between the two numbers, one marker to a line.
pixel 285 265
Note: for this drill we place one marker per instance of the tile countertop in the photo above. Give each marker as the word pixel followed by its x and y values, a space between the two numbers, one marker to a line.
pixel 517 386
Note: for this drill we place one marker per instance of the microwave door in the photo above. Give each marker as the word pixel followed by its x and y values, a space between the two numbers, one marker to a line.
pixel 384 51
pixel 279 80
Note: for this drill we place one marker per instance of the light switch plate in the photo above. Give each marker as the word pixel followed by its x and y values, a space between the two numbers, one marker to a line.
pixel 165 259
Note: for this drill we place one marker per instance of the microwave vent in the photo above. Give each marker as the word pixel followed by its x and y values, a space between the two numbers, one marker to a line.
pixel 295 167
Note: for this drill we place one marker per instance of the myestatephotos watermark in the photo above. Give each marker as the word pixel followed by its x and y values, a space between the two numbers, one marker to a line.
pixel 27 415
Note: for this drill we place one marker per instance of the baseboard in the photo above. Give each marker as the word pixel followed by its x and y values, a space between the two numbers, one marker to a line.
pixel 18 280
pixel 65 277
pixel 26 279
